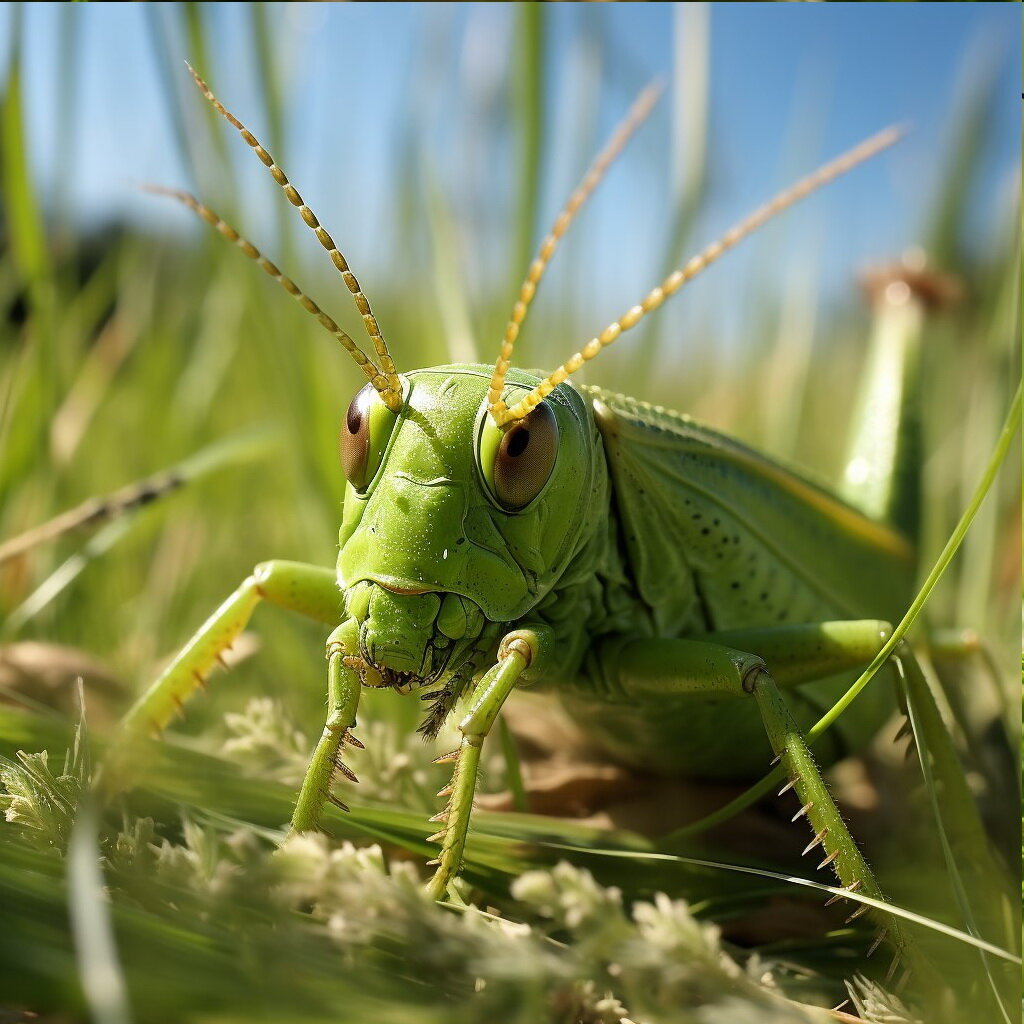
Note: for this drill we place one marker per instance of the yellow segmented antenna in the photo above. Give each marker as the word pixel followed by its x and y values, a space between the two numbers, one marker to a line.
pixel 387 365
pixel 373 374
pixel 503 414
pixel 637 115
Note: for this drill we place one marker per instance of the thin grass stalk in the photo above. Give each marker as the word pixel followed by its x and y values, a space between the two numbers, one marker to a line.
pixel 906 915
pixel 157 32
pixel 66 121
pixel 194 21
pixel 528 115
pixel 99 965
pixel 690 161
pixel 36 383
pixel 271 87
pixel 945 782
pixel 448 278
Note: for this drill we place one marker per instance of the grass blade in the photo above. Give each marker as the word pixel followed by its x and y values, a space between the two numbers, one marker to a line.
pixel 111 510
pixel 91 927
pixel 888 908
pixel 529 116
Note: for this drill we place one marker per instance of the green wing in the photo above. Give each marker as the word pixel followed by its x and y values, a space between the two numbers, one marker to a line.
pixel 719 536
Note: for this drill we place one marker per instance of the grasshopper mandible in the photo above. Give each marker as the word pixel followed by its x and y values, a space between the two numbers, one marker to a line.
pixel 503 528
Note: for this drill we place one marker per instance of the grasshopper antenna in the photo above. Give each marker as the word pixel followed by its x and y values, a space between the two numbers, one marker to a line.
pixel 638 113
pixel 389 390
pixel 387 366
pixel 503 414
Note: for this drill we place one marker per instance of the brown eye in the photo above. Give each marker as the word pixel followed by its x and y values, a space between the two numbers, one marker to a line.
pixel 364 436
pixel 525 458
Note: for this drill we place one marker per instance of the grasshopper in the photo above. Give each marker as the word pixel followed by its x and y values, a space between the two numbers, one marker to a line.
pixel 690 600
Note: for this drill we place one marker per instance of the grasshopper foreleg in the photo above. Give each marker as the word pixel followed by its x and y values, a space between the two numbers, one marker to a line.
pixel 343 687
pixel 518 652
pixel 308 589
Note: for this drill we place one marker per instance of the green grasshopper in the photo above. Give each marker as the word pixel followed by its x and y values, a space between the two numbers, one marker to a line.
pixel 684 596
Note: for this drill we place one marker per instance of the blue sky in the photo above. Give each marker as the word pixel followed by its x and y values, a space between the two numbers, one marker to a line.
pixel 788 85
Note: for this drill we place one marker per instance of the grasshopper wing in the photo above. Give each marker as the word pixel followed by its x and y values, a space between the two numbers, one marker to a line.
pixel 719 536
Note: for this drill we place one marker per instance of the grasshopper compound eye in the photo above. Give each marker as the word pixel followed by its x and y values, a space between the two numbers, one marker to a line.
pixel 516 463
pixel 364 436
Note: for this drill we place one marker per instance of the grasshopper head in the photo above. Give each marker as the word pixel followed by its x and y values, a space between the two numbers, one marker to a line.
pixel 453 525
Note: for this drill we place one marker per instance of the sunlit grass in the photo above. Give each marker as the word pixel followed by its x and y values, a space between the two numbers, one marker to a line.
pixel 128 354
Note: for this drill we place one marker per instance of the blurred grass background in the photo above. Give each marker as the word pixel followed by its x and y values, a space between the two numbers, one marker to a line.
pixel 125 350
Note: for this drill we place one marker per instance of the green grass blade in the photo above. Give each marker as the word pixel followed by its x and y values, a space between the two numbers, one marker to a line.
pixel 35 379
pixel 512 766
pixel 169 70
pixel 21 205
pixel 193 18
pixel 449 279
pixel 888 908
pixel 1006 438
pixel 531 31
pixel 91 927
pixel 943 774
pixel 272 95
pixel 691 86
pixel 68 71
pixel 969 136
pixel 119 512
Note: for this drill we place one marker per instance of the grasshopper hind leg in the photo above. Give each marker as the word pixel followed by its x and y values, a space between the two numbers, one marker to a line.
pixel 669 671
pixel 831 837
